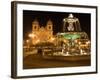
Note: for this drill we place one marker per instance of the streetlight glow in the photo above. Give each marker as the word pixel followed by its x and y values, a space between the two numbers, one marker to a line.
pixel 27 41
pixel 31 35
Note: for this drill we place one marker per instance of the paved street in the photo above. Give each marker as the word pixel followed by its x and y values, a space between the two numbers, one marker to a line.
pixel 37 61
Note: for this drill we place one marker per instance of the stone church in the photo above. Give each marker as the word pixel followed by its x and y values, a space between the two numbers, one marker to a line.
pixel 42 33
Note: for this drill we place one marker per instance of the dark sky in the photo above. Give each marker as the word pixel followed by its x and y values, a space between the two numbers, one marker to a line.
pixel 56 17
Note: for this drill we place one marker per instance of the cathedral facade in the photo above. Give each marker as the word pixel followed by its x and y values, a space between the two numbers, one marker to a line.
pixel 42 33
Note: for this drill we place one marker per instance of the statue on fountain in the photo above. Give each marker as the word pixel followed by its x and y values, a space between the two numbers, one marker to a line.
pixel 71 23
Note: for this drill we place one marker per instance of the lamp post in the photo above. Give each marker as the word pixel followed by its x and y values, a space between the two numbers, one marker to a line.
pixel 27 41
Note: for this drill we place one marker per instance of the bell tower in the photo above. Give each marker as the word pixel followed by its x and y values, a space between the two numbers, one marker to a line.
pixel 49 28
pixel 35 25
pixel 49 25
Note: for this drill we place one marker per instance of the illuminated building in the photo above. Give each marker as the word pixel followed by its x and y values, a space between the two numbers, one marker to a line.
pixel 41 33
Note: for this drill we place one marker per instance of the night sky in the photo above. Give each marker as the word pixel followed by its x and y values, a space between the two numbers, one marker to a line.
pixel 56 18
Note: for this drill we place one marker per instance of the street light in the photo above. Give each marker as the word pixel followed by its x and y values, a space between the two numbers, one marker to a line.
pixel 27 41
pixel 52 39
pixel 31 35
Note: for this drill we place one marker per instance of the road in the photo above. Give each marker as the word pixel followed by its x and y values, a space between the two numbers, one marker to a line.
pixel 37 61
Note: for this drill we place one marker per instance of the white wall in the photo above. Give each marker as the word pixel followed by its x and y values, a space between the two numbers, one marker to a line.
pixel 5 40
